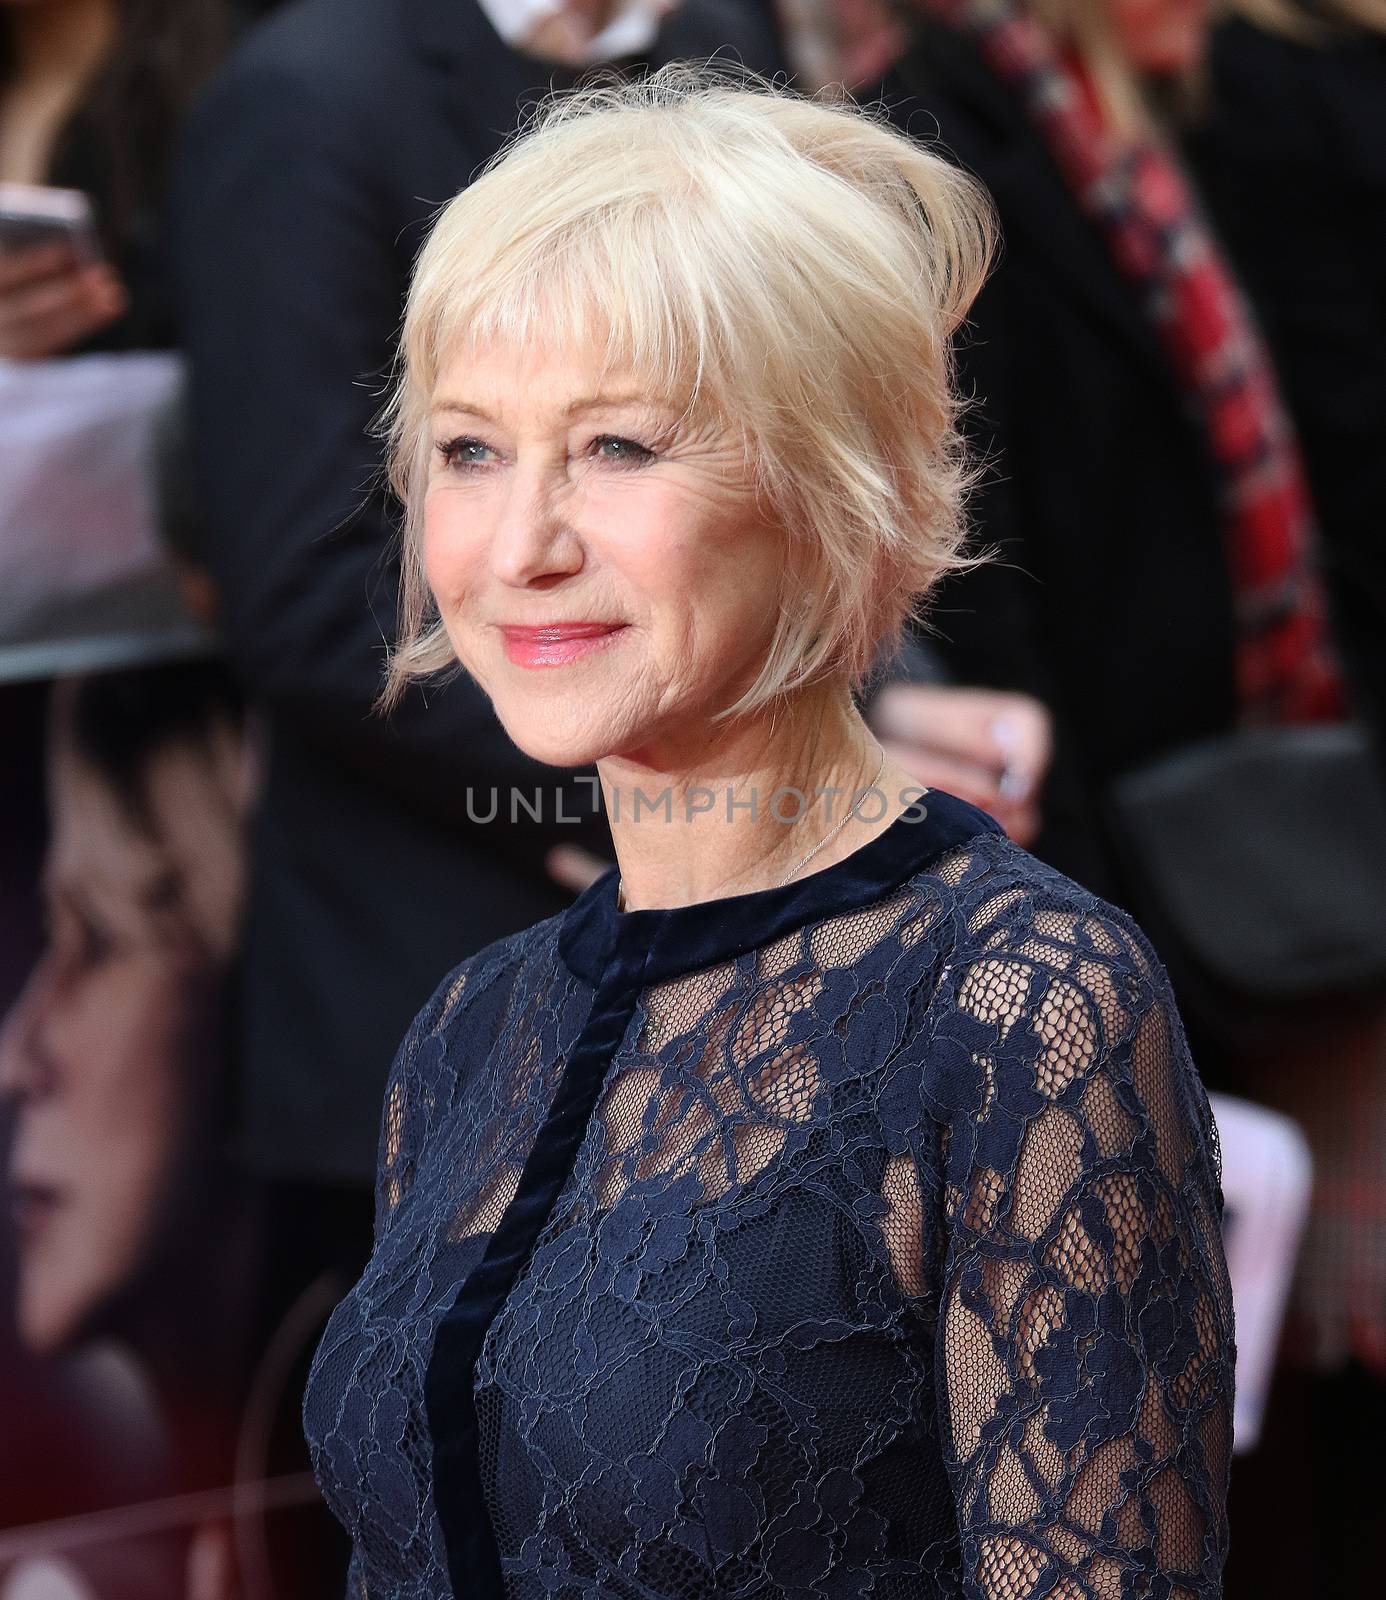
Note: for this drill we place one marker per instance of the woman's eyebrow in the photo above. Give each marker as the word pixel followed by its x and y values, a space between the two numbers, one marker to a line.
pixel 587 402
pixel 462 408
pixel 593 402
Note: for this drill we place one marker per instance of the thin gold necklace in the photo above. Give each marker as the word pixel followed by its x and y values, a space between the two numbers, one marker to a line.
pixel 827 838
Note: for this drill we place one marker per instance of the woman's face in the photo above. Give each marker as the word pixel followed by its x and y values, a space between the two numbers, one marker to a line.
pixel 94 1058
pixel 1162 38
pixel 601 563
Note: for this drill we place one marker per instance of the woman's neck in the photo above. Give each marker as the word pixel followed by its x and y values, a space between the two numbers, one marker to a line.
pixel 60 42
pixel 700 824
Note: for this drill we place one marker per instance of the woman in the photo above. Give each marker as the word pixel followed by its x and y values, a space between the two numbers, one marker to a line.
pixel 131 1235
pixel 91 94
pixel 819 1207
pixel 110 1057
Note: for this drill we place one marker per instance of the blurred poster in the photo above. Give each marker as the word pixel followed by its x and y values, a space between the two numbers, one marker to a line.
pixel 128 1245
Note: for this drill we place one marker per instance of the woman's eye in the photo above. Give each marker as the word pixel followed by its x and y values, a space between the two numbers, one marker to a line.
pixel 81 941
pixel 96 944
pixel 626 452
pixel 463 452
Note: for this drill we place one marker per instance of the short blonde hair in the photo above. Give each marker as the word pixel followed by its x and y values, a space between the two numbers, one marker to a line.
pixel 793 267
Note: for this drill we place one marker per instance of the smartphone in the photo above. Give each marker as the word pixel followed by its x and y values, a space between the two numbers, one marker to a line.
pixel 32 214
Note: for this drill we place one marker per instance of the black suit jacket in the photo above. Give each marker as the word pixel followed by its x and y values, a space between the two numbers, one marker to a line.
pixel 309 174
pixel 1111 601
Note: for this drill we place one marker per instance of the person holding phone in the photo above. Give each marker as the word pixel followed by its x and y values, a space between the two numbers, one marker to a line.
pixel 51 301
pixel 91 92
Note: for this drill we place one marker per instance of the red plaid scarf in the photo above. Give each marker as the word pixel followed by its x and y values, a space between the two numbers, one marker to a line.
pixel 1135 193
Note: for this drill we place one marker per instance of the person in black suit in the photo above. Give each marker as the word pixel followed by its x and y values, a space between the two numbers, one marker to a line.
pixel 308 175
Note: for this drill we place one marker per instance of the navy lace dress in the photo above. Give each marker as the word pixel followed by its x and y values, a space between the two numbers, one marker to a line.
pixel 856 1238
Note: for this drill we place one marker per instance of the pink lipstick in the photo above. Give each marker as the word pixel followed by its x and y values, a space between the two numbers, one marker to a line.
pixel 555 644
pixel 32 1207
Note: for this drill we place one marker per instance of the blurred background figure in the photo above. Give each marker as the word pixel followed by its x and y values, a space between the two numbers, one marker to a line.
pixel 91 92
pixel 112 1050
pixel 1289 139
pixel 1290 143
pixel 1111 332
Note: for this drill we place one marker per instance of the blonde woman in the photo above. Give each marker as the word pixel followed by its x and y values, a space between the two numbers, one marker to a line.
pixel 825 1204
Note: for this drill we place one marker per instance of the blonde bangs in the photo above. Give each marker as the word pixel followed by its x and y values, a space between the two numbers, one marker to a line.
pixel 597 287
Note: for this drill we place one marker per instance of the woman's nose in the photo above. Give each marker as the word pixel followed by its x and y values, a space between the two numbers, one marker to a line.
pixel 533 540
pixel 26 1067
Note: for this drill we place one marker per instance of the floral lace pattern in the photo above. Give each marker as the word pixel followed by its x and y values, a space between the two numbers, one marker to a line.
pixel 888 1264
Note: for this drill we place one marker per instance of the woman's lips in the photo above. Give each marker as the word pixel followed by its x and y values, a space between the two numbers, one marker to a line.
pixel 32 1207
pixel 556 644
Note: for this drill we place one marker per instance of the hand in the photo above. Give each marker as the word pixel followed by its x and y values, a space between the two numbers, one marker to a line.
pixel 574 867
pixel 984 745
pixel 48 303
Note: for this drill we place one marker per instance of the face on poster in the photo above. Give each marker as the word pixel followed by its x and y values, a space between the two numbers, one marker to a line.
pixel 108 1057
pixel 119 1201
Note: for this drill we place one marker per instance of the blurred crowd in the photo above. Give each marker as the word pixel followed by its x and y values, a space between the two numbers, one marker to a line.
pixel 227 882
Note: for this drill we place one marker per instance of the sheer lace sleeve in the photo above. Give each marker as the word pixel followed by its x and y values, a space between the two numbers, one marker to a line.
pixel 356 1588
pixel 1085 1349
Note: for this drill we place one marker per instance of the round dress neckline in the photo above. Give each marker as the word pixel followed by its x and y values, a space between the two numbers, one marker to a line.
pixel 603 945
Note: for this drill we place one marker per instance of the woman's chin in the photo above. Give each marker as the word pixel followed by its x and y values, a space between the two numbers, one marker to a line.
pixel 556 743
pixel 47 1321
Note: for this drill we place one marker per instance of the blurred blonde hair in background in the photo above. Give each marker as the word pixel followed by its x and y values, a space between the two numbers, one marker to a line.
pixel 1319 24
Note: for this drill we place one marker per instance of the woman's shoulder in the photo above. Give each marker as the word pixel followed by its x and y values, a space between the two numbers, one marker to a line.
pixel 1048 996
pixel 1039 969
pixel 439 1051
pixel 1007 902
pixel 494 971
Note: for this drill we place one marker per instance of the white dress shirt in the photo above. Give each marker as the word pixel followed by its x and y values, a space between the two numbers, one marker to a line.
pixel 630 30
